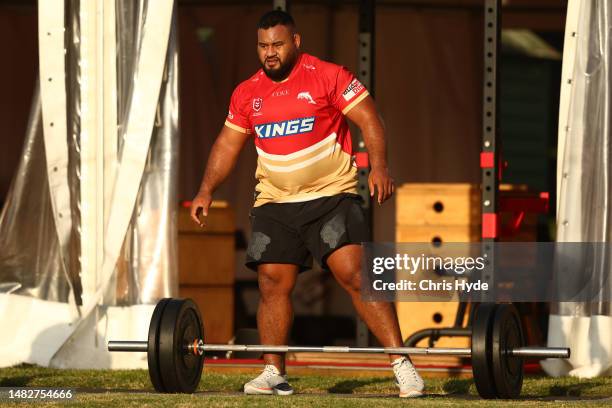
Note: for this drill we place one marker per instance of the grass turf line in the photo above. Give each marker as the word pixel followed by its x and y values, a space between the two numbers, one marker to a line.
pixel 97 388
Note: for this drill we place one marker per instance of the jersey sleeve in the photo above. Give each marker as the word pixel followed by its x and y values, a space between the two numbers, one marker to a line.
pixel 347 90
pixel 237 118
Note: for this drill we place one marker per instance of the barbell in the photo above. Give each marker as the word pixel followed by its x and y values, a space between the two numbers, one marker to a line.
pixel 175 349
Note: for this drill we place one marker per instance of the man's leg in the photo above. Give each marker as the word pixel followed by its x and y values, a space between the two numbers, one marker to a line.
pixel 275 312
pixel 380 317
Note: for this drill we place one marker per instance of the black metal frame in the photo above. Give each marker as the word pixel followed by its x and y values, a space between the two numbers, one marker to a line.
pixel 367 17
pixel 367 10
pixel 281 5
pixel 490 157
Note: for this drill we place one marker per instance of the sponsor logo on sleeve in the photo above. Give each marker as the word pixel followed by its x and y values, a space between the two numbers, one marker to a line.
pixel 230 115
pixel 353 89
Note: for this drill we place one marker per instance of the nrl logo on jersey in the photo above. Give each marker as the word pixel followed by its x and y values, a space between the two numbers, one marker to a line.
pixel 306 96
pixel 285 128
pixel 257 102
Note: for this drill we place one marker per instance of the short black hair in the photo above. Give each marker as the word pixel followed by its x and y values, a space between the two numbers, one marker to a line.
pixel 275 17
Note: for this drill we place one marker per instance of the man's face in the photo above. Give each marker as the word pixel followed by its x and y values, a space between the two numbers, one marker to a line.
pixel 277 48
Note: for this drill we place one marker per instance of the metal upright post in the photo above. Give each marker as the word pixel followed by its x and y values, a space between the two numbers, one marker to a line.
pixel 367 9
pixel 281 5
pixel 490 156
pixel 366 77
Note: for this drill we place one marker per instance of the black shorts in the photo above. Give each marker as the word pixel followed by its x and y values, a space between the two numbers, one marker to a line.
pixel 294 233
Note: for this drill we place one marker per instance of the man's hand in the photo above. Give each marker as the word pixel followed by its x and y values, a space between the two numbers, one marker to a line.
pixel 380 179
pixel 200 205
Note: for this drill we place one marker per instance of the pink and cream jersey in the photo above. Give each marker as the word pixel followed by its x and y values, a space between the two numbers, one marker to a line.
pixel 301 135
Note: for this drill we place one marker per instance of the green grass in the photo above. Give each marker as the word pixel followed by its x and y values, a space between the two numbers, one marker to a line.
pixel 131 388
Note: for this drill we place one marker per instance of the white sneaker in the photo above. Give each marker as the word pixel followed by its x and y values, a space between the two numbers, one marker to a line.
pixel 269 382
pixel 407 379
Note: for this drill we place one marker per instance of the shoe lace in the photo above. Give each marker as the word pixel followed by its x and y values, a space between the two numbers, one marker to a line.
pixel 268 372
pixel 399 372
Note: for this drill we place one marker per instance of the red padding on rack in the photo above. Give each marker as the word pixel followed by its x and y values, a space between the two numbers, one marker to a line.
pixel 362 160
pixel 487 160
pixel 536 204
pixel 544 195
pixel 490 225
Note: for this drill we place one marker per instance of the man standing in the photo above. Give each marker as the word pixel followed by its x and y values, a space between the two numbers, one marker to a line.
pixel 306 202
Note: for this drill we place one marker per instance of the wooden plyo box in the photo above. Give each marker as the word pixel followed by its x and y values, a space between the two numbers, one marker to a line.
pixel 446 233
pixel 444 212
pixel 206 268
pixel 437 212
pixel 206 258
pixel 216 304
pixel 438 204
pixel 451 212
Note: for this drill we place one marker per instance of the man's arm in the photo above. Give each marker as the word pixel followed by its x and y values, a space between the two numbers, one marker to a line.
pixel 365 116
pixel 221 161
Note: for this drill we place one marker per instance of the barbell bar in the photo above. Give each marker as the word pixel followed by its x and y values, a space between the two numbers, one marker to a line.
pixel 527 352
pixel 175 349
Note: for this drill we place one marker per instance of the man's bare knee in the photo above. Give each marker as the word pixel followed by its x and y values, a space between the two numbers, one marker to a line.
pixel 345 264
pixel 276 281
pixel 350 280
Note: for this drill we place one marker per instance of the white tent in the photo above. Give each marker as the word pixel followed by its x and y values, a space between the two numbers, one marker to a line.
pixel 583 184
pixel 88 234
